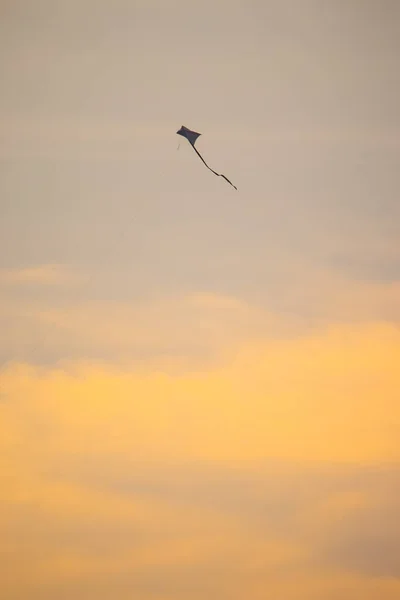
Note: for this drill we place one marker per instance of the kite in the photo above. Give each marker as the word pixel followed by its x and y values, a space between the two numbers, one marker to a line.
pixel 191 137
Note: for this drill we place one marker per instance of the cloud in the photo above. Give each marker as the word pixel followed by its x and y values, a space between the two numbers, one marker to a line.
pixel 43 275
pixel 177 330
pixel 185 329
pixel 197 529
pixel 331 395
pixel 259 472
pixel 368 540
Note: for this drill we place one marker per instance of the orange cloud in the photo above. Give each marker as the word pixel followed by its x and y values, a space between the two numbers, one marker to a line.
pixel 335 585
pixel 322 400
pixel 332 396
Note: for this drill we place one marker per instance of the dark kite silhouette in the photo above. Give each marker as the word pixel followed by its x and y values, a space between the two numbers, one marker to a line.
pixel 191 137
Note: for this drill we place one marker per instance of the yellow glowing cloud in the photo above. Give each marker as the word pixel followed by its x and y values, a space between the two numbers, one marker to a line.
pixel 333 396
pixel 328 397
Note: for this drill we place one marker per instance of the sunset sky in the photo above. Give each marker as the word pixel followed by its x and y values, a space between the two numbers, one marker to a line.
pixel 200 386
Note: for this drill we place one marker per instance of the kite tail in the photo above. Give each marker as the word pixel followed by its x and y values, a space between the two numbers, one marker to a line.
pixel 234 186
pixel 212 170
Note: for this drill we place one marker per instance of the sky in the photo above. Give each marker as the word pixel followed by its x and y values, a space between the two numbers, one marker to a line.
pixel 199 386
